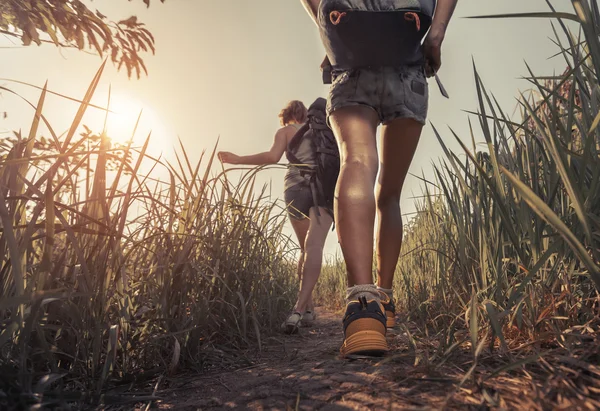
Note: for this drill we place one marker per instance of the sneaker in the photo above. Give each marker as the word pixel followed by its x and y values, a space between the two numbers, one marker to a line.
pixel 308 318
pixel 292 323
pixel 390 309
pixel 364 328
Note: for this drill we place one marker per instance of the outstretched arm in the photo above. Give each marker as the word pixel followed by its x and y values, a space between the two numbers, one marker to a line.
pixel 267 157
pixel 312 8
pixel 437 33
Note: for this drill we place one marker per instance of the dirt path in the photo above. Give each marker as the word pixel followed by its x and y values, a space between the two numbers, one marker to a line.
pixel 305 372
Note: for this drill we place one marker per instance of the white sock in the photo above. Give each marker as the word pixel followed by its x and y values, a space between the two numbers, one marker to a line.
pixel 388 291
pixel 369 291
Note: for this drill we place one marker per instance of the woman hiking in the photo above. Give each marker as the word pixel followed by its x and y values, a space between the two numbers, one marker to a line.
pixel 379 66
pixel 311 222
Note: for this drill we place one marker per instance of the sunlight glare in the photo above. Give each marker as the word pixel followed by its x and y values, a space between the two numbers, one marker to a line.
pixel 121 123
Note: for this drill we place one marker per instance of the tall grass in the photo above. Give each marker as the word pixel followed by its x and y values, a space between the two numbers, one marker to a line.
pixel 506 242
pixel 105 282
pixel 330 290
pixel 504 250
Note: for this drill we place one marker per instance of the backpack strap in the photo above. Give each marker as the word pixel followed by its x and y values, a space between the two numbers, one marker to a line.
pixel 316 189
pixel 295 141
pixel 328 151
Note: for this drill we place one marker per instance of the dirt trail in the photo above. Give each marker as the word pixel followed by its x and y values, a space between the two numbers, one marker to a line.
pixel 305 371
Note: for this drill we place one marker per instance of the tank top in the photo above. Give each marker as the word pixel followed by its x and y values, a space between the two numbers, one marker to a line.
pixel 304 154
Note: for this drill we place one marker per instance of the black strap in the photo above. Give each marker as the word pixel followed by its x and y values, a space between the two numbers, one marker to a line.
pixel 295 141
pixel 328 151
pixel 317 125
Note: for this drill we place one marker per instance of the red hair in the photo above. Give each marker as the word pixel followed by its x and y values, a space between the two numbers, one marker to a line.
pixel 295 110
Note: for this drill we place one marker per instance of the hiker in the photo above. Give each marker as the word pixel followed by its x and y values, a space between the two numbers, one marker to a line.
pixel 311 149
pixel 379 66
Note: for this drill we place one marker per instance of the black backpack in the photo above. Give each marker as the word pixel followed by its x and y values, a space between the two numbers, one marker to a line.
pixel 374 33
pixel 324 167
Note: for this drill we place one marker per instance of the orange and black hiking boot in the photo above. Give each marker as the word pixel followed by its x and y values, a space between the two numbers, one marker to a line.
pixel 390 309
pixel 364 328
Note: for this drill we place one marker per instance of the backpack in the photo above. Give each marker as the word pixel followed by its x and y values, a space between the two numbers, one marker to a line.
pixel 374 33
pixel 324 167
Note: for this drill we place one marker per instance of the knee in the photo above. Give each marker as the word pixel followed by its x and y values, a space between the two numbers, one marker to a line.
pixel 388 199
pixel 364 162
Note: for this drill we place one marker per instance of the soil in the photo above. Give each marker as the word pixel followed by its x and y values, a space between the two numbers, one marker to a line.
pixel 305 372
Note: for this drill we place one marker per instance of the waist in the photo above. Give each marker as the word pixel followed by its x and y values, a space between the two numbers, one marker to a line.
pixel 294 177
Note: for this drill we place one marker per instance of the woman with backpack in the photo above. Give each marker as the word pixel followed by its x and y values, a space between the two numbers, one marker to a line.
pixel 310 222
pixel 379 67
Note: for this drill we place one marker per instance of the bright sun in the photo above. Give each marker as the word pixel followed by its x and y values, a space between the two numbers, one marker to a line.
pixel 122 119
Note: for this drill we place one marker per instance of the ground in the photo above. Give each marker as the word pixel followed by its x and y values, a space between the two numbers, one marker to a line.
pixel 305 372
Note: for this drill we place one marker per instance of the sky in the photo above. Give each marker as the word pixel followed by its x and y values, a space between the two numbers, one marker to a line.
pixel 224 69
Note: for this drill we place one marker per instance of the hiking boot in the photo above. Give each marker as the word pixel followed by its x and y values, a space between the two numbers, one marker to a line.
pixel 308 318
pixel 292 323
pixel 364 328
pixel 390 309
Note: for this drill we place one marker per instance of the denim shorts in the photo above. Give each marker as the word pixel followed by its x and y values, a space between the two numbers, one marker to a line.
pixel 298 201
pixel 393 92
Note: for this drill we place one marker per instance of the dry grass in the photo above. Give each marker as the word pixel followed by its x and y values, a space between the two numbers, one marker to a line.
pixel 107 282
pixel 502 259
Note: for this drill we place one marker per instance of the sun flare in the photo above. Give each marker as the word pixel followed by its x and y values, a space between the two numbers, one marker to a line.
pixel 125 112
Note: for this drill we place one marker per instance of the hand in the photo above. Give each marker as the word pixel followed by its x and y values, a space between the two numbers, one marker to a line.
pixel 227 157
pixel 433 51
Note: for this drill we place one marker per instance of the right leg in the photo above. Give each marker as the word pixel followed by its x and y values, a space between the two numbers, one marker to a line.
pixel 315 241
pixel 300 227
pixel 400 138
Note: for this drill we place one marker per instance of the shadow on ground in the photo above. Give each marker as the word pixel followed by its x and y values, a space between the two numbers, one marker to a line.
pixel 305 372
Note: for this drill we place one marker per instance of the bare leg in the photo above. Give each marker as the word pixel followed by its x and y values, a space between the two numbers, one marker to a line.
pixel 355 128
pixel 313 246
pixel 300 228
pixel 400 140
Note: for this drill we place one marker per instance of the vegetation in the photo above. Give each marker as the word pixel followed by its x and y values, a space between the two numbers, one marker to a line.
pixel 70 23
pixel 110 282
pixel 503 255
pixel 512 234
pixel 106 282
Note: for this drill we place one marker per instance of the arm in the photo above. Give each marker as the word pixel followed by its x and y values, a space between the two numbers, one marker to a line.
pixel 312 8
pixel 267 157
pixel 437 33
pixel 443 14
